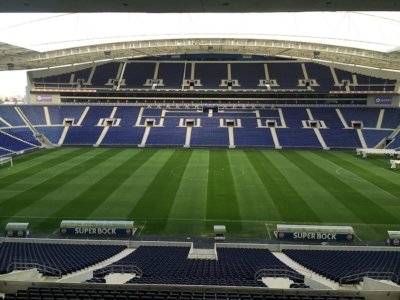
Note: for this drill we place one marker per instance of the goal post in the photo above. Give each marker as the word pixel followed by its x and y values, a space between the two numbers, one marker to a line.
pixel 5 160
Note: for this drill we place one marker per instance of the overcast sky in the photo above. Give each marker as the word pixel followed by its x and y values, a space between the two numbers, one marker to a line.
pixel 12 83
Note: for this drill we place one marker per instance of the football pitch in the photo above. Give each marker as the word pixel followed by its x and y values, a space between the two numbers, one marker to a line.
pixel 179 192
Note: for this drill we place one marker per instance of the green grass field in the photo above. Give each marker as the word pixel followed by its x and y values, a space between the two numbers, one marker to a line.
pixel 185 192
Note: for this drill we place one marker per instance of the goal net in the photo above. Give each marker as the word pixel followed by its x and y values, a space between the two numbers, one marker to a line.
pixel 6 160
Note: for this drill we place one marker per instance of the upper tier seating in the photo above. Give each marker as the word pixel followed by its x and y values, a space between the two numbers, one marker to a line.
pixel 171 74
pixel 280 71
pixel 66 258
pixel 103 73
pixel 234 267
pixel 349 267
pixel 136 74
pixel 248 75
pixel 210 73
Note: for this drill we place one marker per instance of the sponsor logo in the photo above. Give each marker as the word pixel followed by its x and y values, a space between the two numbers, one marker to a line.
pixel 44 98
pixel 128 232
pixel 98 231
pixel 396 242
pixel 383 100
pixel 20 233
pixel 63 230
pixel 10 233
pixel 314 236
pixel 281 235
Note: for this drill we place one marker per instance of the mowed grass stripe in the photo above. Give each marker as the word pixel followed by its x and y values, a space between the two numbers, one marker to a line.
pixel 187 216
pixel 14 204
pixel 255 201
pixel 157 201
pixel 222 203
pixel 365 209
pixel 372 178
pixel 323 203
pixel 124 199
pixel 61 157
pixel 112 182
pixel 290 205
pixel 83 204
pixel 190 200
pixel 365 165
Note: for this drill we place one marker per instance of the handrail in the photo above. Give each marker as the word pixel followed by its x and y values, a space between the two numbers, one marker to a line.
pixel 133 269
pixel 372 274
pixel 278 273
pixel 40 266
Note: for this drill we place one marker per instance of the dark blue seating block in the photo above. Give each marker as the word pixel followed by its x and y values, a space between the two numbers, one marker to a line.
pixel 251 136
pixel 83 135
pixel 297 137
pixel 341 138
pixel 170 265
pixel 136 74
pixel 211 74
pixel 323 75
pixel 127 136
pixel 209 134
pixel 328 115
pixel 13 144
pixel 391 118
pixel 152 112
pixel 172 74
pixel 248 75
pixel 9 114
pixel 294 115
pixel 103 73
pixel 95 113
pixel 369 116
pixel 35 114
pixel 23 133
pixel 52 133
pixel 59 113
pixel 373 137
pixel 286 74
pixel 339 265
pixel 82 74
pixel 55 79
pixel 169 135
pixel 64 257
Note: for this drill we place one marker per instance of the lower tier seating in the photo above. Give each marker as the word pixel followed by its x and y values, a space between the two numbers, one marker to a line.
pixel 161 294
pixel 350 267
pixel 234 267
pixel 63 258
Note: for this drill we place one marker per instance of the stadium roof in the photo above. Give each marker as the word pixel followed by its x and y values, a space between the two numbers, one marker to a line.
pixel 29 41
pixel 196 5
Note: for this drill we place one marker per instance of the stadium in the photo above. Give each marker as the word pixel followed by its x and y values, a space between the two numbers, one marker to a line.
pixel 233 150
